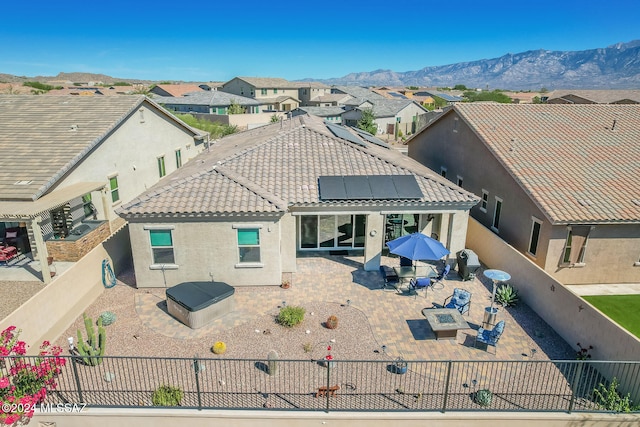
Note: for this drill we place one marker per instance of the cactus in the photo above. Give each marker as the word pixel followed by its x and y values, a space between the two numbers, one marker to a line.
pixel 108 317
pixel 332 322
pixel 93 348
pixel 272 362
pixel 483 397
pixel 219 347
pixel 506 295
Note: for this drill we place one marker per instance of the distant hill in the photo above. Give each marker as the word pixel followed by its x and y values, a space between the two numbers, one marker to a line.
pixel 71 77
pixel 613 67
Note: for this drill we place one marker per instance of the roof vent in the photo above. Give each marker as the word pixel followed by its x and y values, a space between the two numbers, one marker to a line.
pixel 73 128
pixel 585 202
pixel 636 201
pixel 23 182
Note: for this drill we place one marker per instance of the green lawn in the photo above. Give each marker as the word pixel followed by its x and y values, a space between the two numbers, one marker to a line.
pixel 624 309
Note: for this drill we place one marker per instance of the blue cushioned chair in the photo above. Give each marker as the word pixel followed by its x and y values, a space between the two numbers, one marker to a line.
pixel 421 283
pixel 490 337
pixel 460 300
pixel 441 276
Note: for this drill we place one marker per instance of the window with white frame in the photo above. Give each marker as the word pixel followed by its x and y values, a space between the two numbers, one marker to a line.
pixel 485 200
pixel 575 245
pixel 162 246
pixel 443 171
pixel 536 226
pixel 178 159
pixel 497 212
pixel 249 245
pixel 459 181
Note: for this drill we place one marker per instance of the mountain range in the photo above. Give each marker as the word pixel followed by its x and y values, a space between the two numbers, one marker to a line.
pixel 613 67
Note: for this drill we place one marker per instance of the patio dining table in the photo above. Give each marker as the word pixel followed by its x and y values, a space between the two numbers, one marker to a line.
pixel 405 274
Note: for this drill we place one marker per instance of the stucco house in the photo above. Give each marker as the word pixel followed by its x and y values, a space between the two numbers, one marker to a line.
pixel 391 116
pixel 275 94
pixel 557 182
pixel 244 210
pixel 174 90
pixel 311 92
pixel 330 114
pixel 69 160
pixel 208 102
pixel 601 96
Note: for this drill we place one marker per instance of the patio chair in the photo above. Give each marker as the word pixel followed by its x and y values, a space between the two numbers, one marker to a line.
pixel 490 337
pixel 460 300
pixel 441 276
pixel 420 283
pixel 405 262
pixel 390 277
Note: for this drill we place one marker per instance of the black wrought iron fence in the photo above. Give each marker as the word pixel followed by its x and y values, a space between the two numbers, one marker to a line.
pixel 311 385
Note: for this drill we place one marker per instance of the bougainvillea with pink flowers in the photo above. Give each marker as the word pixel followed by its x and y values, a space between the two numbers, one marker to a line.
pixel 23 380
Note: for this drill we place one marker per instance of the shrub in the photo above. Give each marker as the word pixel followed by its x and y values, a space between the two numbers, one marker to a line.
pixel 483 397
pixel 219 347
pixel 107 318
pixel 507 295
pixel 332 322
pixel 166 395
pixel 290 316
pixel 610 400
pixel 25 381
pixel 583 353
pixel 307 347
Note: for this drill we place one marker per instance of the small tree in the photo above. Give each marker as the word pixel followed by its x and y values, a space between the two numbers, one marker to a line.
pixel 460 87
pixel 274 118
pixel 367 122
pixel 235 108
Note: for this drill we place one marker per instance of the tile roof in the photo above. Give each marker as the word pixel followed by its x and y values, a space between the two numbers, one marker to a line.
pixel 359 92
pixel 42 137
pixel 179 90
pixel 391 107
pixel 322 111
pixel 313 85
pixel 273 167
pixel 211 98
pixel 579 163
pixel 332 97
pixel 598 96
pixel 268 82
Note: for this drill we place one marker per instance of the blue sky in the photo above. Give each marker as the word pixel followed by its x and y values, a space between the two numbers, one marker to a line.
pixel 216 41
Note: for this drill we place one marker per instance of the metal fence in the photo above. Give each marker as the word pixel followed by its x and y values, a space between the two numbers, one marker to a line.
pixel 309 385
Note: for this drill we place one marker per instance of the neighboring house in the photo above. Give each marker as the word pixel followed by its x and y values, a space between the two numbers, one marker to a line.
pixel 174 90
pixel 274 93
pixel 391 115
pixel 330 114
pixel 592 97
pixel 245 209
pixel 450 99
pixel 523 97
pixel 309 92
pixel 358 92
pixel 90 91
pixel 208 102
pixel 69 159
pixel 557 182
pixel 330 100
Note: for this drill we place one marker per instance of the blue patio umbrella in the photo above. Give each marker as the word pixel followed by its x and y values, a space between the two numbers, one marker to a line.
pixel 417 246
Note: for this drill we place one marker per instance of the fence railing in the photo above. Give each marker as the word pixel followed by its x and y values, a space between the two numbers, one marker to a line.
pixel 309 385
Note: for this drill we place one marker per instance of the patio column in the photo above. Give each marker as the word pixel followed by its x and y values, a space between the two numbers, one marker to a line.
pixel 41 249
pixel 373 241
pixel 106 206
pixel 445 220
pixel 458 233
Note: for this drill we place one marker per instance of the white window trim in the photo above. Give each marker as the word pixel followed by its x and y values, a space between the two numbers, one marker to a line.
pixel 534 221
pixel 495 210
pixel 460 181
pixel 109 177
pixel 154 266
pixel 443 169
pixel 455 124
pixel 247 264
pixel 482 200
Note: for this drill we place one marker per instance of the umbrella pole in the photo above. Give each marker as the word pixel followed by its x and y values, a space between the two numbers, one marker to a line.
pixel 493 295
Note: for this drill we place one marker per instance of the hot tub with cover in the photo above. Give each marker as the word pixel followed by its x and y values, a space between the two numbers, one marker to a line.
pixel 197 303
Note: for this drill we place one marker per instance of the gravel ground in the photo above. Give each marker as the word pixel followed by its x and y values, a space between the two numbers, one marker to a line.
pixel 129 336
pixel 14 294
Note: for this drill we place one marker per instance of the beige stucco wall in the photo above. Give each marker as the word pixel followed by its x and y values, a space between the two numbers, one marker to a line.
pixel 96 417
pixel 611 255
pixel 205 251
pixel 131 152
pixel 569 315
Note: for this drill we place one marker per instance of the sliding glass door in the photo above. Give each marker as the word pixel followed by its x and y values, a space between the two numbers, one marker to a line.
pixel 331 231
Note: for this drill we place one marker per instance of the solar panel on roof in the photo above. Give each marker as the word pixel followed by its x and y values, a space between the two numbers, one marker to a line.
pixel 343 133
pixel 397 95
pixel 407 187
pixel 358 187
pixel 363 187
pixel 372 139
pixel 332 188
